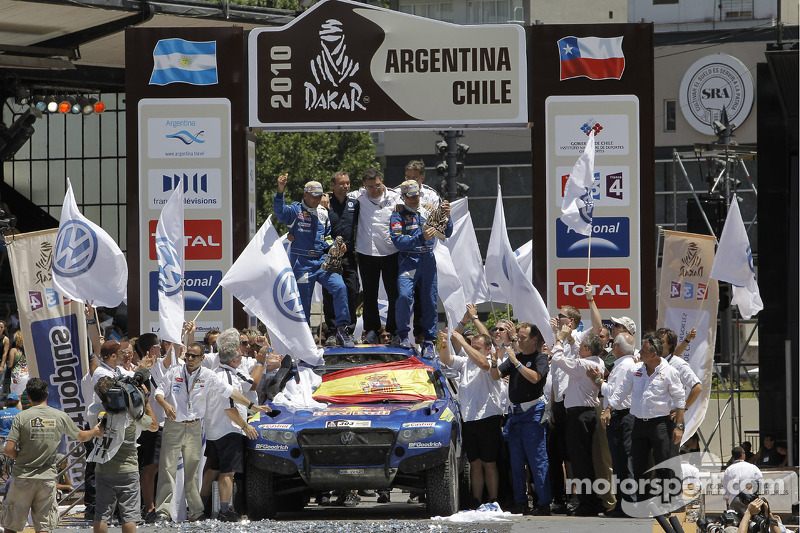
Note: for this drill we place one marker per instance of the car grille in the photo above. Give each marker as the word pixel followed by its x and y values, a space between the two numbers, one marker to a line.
pixel 346 446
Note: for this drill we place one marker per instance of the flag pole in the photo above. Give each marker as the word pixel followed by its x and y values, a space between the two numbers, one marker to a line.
pixel 205 304
pixel 589 254
pixel 96 321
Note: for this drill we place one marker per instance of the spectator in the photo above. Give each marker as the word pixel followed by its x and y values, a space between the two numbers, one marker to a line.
pixel 210 341
pixel 309 223
pixel 385 337
pixel 740 476
pixel 416 266
pixel 760 506
pixel 11 409
pixel 768 455
pixel 5 373
pixel 149 443
pixel 33 442
pixel 748 451
pixel 19 365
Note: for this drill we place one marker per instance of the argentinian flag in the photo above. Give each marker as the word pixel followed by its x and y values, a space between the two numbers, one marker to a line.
pixel 180 61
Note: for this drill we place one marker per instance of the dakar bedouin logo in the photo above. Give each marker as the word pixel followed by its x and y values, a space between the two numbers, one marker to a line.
pixel 44 265
pixel 331 69
pixel 692 263
pixel 287 296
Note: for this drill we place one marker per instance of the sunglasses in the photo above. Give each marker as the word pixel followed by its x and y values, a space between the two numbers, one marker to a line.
pixel 245 343
pixel 386 336
pixel 561 315
pixel 500 329
pixel 194 355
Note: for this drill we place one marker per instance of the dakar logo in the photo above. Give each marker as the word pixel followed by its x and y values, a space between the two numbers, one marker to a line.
pixel 691 263
pixel 45 263
pixel 331 69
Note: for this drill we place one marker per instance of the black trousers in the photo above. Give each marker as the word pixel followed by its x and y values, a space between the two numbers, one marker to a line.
pixel 557 451
pixel 371 267
pixel 653 435
pixel 581 422
pixel 620 438
pixel 350 277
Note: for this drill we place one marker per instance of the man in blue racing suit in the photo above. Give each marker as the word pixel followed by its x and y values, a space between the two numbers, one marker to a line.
pixel 308 222
pixel 416 265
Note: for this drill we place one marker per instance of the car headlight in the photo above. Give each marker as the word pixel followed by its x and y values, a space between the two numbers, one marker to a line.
pixel 277 435
pixel 414 434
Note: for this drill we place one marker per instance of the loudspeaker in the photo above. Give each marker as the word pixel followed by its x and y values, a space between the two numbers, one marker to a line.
pixel 715 209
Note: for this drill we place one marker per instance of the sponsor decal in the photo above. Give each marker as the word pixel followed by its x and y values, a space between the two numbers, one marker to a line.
pixel 353 411
pixel 610 187
pixel 56 343
pixel 272 447
pixel 274 426
pixel 35 299
pixel 425 445
pixel 571 133
pixel 419 424
pixel 712 83
pixel 447 415
pixel 202 239
pixel 397 225
pixel 610 238
pixel 351 472
pixel 170 138
pixel 687 290
pixel 198 286
pixel 348 423
pixel 202 188
pixel 611 287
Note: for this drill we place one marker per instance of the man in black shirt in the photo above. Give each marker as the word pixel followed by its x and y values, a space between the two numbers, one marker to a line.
pixel 343 215
pixel 524 431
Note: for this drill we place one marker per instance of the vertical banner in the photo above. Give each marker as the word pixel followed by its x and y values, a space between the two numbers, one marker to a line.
pixel 689 299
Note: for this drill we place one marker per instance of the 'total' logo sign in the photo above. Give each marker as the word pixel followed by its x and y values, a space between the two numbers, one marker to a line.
pixel 612 287
pixel 202 239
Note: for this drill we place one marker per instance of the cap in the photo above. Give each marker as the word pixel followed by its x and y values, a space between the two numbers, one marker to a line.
pixel 409 188
pixel 314 188
pixel 627 322
pixel 108 349
pixel 12 398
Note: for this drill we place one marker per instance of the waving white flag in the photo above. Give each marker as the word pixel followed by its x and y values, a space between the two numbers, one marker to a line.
pixel 504 271
pixel 169 251
pixel 464 251
pixel 263 280
pixel 451 290
pixel 734 263
pixel 577 205
pixel 87 263
pixel 525 258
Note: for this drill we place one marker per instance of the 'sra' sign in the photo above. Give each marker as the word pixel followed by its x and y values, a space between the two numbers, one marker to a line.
pixel 346 65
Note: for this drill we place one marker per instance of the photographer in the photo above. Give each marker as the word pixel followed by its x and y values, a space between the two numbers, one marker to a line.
pixel 117 470
pixel 758 518
pixel 33 441
pixel 740 476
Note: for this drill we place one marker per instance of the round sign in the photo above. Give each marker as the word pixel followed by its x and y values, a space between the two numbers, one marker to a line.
pixel 712 83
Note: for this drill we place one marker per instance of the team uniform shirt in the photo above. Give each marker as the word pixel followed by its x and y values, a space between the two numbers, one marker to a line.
pixel 344 217
pixel 38 432
pixel 190 392
pixel 687 375
pixel 217 422
pixel 651 396
pixel 560 381
pixel 582 391
pixel 740 476
pixel 373 222
pixel 311 227
pixel 621 368
pixel 428 196
pixel 480 396
pixel 520 390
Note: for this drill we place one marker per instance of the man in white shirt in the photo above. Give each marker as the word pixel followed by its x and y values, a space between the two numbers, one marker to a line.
pixel 191 386
pixel 617 417
pixel 690 381
pixel 740 476
pixel 655 388
pixel 377 256
pixel 226 427
pixel 481 402
pixel 580 402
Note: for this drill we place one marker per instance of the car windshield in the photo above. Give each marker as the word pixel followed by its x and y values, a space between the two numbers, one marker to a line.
pixel 408 380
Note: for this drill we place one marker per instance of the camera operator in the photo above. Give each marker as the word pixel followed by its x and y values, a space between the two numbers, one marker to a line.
pixel 33 441
pixel 758 518
pixel 740 476
pixel 117 470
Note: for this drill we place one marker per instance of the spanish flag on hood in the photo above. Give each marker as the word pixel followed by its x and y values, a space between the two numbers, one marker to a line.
pixel 402 380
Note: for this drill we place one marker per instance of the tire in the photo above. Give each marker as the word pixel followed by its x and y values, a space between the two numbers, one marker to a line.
pixel 464 486
pixel 260 494
pixel 441 487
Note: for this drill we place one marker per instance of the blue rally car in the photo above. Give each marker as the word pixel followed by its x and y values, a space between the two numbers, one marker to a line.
pixel 392 421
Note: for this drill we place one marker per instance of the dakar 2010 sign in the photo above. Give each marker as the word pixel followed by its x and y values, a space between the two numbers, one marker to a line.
pixel 346 65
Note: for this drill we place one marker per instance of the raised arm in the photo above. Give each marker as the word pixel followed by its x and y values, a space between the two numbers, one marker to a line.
pixel 445 355
pixel 597 320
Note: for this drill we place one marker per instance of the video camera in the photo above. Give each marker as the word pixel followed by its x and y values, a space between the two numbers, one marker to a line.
pixel 126 395
pixel 7 221
pixel 718 525
pixel 760 522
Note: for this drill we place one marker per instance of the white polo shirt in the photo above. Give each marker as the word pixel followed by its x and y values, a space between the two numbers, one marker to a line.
pixel 651 396
pixel 479 395
pixel 372 237
pixel 217 423
pixel 740 476
pixel 560 380
pixel 621 367
pixel 190 392
pixel 582 392
pixel 688 378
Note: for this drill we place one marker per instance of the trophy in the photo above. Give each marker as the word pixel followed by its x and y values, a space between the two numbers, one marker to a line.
pixel 333 261
pixel 437 220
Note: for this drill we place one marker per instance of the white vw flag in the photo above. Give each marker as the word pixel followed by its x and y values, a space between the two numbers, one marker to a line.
pixel 503 269
pixel 464 251
pixel 577 205
pixel 87 263
pixel 449 287
pixel 525 258
pixel 169 251
pixel 262 279
pixel 734 263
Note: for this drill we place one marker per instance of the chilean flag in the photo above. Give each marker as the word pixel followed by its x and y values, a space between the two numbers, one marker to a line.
pixel 596 58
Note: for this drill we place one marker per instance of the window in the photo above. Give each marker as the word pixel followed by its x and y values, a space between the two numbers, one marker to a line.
pixel 436 10
pixel 492 11
pixel 669 115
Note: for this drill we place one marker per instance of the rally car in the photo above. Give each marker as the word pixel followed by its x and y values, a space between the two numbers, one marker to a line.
pixel 392 421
